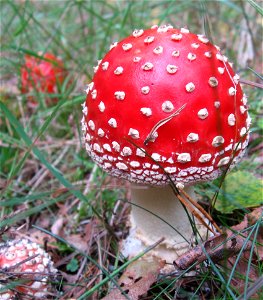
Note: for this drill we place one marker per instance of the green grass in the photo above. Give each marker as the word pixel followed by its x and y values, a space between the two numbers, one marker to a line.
pixel 44 171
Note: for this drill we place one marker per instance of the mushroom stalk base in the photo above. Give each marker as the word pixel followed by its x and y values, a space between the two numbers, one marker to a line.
pixel 157 213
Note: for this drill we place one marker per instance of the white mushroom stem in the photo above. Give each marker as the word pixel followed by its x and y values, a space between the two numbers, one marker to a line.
pixel 156 213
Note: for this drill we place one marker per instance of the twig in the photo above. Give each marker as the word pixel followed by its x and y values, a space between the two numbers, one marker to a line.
pixel 161 123
pixel 251 83
pixel 218 248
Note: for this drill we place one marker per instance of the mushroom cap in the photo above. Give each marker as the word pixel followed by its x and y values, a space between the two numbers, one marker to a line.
pixel 34 273
pixel 165 104
pixel 42 75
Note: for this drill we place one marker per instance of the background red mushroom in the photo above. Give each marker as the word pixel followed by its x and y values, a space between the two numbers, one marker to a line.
pixel 29 266
pixel 43 74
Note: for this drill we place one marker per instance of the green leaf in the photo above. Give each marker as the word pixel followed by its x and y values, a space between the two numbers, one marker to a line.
pixel 73 265
pixel 240 190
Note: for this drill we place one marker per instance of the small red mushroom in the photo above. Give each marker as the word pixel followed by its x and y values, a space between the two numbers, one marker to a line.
pixel 43 75
pixel 164 104
pixel 27 263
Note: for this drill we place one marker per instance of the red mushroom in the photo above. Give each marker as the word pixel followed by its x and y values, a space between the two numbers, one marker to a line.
pixel 26 262
pixel 42 75
pixel 164 104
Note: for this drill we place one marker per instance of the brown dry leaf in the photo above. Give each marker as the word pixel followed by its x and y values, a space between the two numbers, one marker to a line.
pixel 137 279
pixel 79 242
pixel 241 268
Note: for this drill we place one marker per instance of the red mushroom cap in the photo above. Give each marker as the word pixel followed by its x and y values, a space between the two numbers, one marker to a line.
pixel 34 272
pixel 165 101
pixel 42 75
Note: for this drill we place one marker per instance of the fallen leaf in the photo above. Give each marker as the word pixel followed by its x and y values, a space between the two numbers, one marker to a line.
pixel 232 197
pixel 137 279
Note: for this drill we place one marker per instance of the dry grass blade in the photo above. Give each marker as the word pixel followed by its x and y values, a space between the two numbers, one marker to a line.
pixel 195 213
pixel 202 210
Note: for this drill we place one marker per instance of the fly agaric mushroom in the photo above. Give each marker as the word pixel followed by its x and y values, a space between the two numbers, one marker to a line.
pixel 43 75
pixel 26 262
pixel 164 105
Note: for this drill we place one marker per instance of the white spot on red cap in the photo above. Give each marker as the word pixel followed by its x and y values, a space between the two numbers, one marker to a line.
pixel 236 78
pixel 101 106
pixel 242 109
pixel 101 132
pixel 203 113
pixel 127 47
pixel 85 110
pixel 176 53
pixel 243 131
pixel 170 170
pixel 195 45
pixel 121 166
pixel 126 151
pixel 107 147
pixel 208 54
pixel 116 146
pixel 231 91
pixel 105 66
pixel 221 70
pixel 149 39
pixel 244 99
pixel 91 125
pixel 176 37
pixel 184 30
pixel 223 161
pixel 155 26
pixel 113 45
pixel 140 153
pixel 107 165
pixel 88 137
pixel 145 90
pixel 158 50
pixel 94 94
pixel 192 137
pixel 169 160
pixel 119 95
pixel 135 164
pixel 171 69
pixel 218 141
pixel 191 56
pixel 112 122
pixel 134 133
pixel 164 28
pixel 205 158
pixel 217 104
pixel 202 38
pixel 118 71
pixel 138 32
pixel 190 87
pixel 231 120
pixel 184 157
pixel 146 111
pixel 97 148
pixel 147 66
pixel 213 82
pixel 156 157
pixel 137 59
pixel 167 106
